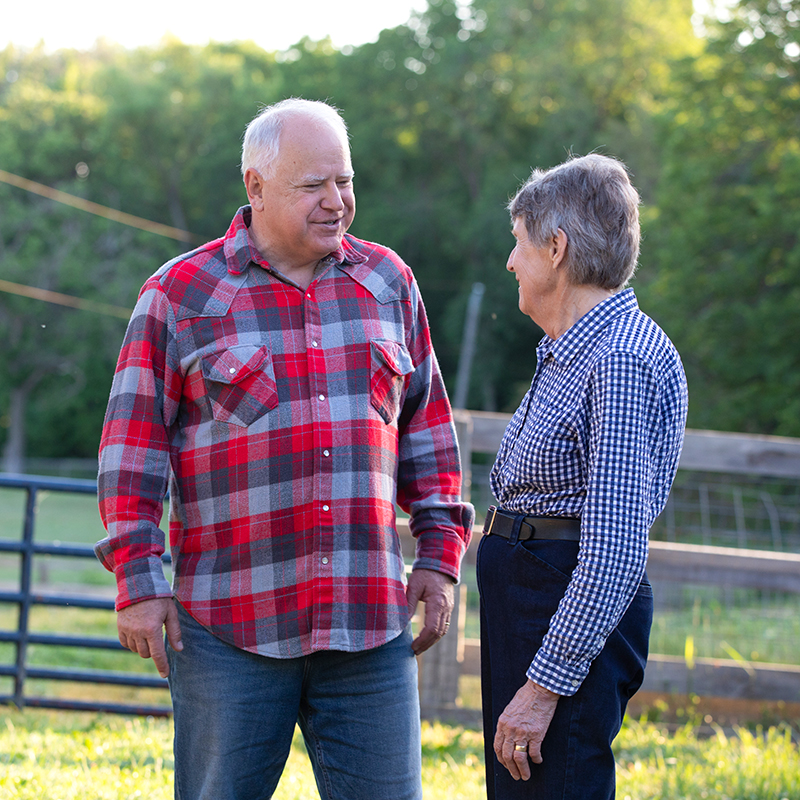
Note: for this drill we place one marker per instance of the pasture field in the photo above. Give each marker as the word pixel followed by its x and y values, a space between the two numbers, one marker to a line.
pixel 750 626
pixel 757 626
pixel 48 755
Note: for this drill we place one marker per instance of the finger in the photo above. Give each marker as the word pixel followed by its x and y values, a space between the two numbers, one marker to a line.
pixel 508 761
pixel 535 752
pixel 427 638
pixel 142 648
pixel 159 655
pixel 521 761
pixel 413 594
pixel 436 624
pixel 503 749
pixel 134 644
pixel 173 629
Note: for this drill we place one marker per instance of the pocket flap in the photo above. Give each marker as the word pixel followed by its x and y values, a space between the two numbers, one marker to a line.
pixel 234 364
pixel 394 355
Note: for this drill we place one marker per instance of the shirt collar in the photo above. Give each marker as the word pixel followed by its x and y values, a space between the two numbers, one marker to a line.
pixel 567 346
pixel 240 252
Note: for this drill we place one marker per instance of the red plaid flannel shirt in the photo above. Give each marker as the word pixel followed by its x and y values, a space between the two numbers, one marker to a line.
pixel 287 425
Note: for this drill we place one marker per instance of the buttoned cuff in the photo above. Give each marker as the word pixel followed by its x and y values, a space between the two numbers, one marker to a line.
pixel 440 551
pixel 140 580
pixel 564 679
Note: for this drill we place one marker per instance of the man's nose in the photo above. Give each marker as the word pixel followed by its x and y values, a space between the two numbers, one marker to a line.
pixel 333 197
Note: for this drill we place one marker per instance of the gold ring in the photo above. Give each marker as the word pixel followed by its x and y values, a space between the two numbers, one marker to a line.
pixel 520 747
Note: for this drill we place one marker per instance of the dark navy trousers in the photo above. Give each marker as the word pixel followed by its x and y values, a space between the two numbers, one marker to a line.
pixel 520 587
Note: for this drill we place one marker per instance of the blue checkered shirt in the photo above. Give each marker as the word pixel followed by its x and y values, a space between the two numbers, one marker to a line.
pixel 597 436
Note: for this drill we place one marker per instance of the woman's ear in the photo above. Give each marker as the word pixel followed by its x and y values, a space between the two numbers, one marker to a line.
pixel 558 248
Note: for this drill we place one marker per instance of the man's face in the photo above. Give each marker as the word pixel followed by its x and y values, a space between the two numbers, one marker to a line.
pixel 307 202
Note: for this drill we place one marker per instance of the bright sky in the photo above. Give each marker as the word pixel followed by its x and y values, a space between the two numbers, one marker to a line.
pixel 273 24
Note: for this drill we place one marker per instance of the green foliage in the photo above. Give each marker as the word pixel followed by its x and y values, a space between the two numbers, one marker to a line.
pixel 722 264
pixel 448 114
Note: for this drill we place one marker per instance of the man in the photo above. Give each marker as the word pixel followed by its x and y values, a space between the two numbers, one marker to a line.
pixel 282 380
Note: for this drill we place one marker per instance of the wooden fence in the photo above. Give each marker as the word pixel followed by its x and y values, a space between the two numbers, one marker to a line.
pixel 668 563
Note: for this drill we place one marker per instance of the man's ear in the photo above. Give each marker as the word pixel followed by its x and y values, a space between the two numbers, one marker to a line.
pixel 254 184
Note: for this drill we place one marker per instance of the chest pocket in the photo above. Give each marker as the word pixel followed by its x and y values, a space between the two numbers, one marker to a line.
pixel 391 364
pixel 240 383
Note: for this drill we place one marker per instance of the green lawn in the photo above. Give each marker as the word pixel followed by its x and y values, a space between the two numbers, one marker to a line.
pixel 69 756
pixel 64 755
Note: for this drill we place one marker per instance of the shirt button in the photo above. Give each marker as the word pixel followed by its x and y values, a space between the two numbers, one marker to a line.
pixel 326 508
pixel 575 683
pixel 326 453
pixel 232 370
pixel 314 344
pixel 322 397
pixel 325 560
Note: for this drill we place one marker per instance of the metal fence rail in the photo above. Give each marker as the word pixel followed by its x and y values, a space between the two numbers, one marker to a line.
pixel 25 599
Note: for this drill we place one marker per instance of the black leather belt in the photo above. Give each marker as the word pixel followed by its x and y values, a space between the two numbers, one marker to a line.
pixel 502 523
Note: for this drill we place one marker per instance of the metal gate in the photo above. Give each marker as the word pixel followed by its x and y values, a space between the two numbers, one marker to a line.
pixel 24 599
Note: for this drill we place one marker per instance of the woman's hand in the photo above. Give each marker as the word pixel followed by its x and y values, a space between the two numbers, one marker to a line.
pixel 524 722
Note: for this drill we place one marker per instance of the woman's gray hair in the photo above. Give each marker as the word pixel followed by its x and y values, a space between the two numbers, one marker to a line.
pixel 592 200
pixel 262 135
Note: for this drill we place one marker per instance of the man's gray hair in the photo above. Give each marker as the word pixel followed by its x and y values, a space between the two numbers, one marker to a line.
pixel 262 135
pixel 592 200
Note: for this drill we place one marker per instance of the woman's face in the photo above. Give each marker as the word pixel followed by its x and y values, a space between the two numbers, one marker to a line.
pixel 534 270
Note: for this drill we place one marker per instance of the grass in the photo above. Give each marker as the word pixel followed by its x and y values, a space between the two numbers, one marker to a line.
pixel 763 627
pixel 758 627
pixel 66 756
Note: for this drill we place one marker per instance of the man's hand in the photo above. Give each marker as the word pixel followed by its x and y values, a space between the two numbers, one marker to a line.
pixel 141 626
pixel 524 721
pixel 436 591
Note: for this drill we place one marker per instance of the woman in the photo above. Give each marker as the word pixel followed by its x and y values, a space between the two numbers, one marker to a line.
pixel 584 468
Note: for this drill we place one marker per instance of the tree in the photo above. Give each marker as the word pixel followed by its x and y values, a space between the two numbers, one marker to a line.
pixel 152 132
pixel 473 96
pixel 447 115
pixel 722 261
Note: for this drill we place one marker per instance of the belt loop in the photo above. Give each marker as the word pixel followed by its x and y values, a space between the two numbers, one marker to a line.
pixel 515 529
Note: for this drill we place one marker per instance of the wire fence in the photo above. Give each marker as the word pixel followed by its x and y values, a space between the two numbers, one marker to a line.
pixel 718 510
pixel 756 513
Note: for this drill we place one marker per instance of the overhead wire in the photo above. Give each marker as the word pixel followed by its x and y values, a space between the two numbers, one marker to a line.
pixel 92 208
pixel 96 208
pixel 64 299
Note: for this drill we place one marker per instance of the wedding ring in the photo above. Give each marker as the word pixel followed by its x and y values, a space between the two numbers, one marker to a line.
pixel 520 747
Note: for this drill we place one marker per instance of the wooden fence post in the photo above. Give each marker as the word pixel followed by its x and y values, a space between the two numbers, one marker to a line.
pixel 440 666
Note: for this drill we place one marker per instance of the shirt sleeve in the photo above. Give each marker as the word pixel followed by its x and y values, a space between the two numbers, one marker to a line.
pixel 134 451
pixel 622 443
pixel 429 468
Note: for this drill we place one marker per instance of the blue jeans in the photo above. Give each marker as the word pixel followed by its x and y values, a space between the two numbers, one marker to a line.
pixel 520 588
pixel 235 714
